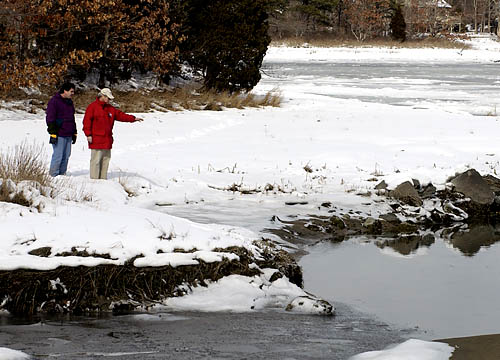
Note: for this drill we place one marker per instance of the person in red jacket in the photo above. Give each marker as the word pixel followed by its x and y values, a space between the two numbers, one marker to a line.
pixel 98 124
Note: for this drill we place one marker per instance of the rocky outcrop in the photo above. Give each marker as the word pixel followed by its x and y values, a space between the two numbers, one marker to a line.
pixel 473 186
pixel 471 202
pixel 407 194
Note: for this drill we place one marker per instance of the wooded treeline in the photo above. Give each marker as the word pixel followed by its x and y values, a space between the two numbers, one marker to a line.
pixel 43 42
pixel 366 19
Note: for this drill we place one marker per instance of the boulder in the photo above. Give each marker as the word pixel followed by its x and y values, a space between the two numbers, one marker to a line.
pixel 390 218
pixel 407 194
pixel 428 191
pixel 494 183
pixel 381 185
pixel 473 186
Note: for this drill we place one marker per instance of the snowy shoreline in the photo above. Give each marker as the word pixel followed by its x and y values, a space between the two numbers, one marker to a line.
pixel 183 158
pixel 484 49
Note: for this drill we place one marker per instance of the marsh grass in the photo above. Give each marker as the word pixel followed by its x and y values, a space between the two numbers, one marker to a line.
pixel 428 42
pixel 188 97
pixel 26 161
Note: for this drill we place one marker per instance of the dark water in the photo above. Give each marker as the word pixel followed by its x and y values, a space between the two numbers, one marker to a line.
pixel 446 288
pixel 260 335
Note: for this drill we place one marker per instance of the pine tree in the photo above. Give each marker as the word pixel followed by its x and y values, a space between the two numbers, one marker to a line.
pixel 320 12
pixel 226 42
pixel 398 24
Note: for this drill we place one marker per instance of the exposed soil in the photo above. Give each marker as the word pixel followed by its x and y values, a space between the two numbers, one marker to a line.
pixel 484 347
pixel 84 290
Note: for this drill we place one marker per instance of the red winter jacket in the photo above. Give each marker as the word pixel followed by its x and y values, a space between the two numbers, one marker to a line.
pixel 98 122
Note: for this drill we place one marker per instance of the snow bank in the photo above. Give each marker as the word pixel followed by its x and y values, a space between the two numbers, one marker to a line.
pixel 484 49
pixel 242 294
pixel 410 350
pixel 9 354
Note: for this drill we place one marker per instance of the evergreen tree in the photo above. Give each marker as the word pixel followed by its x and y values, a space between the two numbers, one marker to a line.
pixel 226 41
pixel 398 24
pixel 319 11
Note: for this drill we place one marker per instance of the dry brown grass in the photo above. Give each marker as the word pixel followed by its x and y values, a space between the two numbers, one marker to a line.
pixel 25 162
pixel 429 42
pixel 169 99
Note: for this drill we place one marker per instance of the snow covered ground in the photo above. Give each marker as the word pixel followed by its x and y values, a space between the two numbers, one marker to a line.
pixel 317 147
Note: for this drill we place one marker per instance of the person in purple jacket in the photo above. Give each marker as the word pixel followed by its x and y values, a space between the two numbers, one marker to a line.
pixel 60 117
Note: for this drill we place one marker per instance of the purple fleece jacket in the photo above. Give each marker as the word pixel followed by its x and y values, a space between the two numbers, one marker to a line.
pixel 61 111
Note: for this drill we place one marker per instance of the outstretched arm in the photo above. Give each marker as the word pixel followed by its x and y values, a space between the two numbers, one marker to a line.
pixel 121 116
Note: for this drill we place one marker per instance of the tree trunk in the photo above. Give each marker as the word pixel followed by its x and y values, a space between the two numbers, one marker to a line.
pixel 102 61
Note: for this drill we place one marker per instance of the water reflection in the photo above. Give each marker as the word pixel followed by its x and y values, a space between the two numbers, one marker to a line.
pixel 470 241
pixel 414 282
pixel 407 245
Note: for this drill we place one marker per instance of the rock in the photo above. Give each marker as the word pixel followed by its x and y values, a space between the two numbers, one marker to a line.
pixel 310 305
pixel 428 191
pixel 381 185
pixel 337 222
pixel 369 222
pixel 395 206
pixel 372 226
pixel 291 203
pixel 493 182
pixel 416 183
pixel 440 218
pixel 472 185
pixel 275 276
pixel 407 194
pixel 42 252
pixel 390 218
pixel 458 213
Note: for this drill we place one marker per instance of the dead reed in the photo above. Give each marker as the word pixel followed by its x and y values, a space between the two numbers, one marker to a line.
pixel 427 42
pixel 25 161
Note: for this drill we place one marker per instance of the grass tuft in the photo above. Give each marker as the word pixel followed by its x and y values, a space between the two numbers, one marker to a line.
pixel 25 162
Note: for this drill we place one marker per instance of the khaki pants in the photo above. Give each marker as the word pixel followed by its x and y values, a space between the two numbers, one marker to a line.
pixel 99 162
